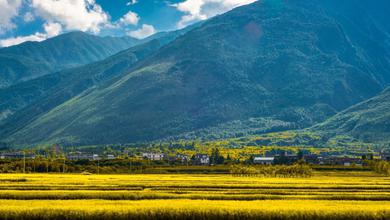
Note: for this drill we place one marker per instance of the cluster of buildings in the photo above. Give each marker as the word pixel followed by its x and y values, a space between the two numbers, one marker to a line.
pixel 17 155
pixel 198 159
pixel 70 156
pixel 318 159
pixel 268 158
pixel 88 156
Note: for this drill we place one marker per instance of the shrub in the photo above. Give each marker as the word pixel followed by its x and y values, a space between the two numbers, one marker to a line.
pixel 296 170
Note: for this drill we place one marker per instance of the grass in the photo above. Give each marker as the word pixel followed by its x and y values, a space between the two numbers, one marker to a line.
pixel 326 195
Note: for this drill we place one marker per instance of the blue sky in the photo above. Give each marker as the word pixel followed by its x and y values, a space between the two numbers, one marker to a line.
pixel 37 20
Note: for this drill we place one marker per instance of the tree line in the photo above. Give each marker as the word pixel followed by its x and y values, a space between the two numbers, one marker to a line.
pixel 284 171
pixel 381 167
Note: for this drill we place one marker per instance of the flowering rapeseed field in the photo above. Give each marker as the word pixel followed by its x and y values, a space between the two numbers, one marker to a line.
pixel 360 195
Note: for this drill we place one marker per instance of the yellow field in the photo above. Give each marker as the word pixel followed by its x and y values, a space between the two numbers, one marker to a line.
pixel 360 195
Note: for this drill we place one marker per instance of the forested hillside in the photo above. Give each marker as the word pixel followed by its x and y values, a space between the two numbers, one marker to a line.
pixel 33 59
pixel 296 62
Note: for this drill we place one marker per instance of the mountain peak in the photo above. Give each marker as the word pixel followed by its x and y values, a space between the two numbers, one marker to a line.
pixel 33 59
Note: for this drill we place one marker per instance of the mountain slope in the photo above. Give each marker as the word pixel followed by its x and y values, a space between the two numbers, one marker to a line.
pixel 33 59
pixel 297 62
pixel 367 121
pixel 51 90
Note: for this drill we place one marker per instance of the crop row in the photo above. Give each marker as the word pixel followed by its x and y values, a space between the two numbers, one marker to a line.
pixel 193 209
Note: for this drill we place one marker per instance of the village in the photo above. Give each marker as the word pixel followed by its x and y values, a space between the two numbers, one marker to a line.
pixel 215 158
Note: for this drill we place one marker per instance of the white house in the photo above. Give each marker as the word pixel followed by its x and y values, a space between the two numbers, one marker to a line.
pixel 153 156
pixel 183 158
pixel 110 157
pixel 202 159
pixel 82 156
pixel 264 160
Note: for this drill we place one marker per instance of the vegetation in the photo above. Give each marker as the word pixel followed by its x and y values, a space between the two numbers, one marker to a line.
pixel 34 59
pixel 297 170
pixel 72 82
pixel 367 121
pixel 381 167
pixel 239 66
pixel 326 195
pixel 190 209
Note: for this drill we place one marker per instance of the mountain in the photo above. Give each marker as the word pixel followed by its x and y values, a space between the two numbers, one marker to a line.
pixel 48 91
pixel 368 121
pixel 33 59
pixel 295 62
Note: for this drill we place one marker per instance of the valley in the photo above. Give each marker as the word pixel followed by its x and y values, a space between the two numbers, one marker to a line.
pixel 187 109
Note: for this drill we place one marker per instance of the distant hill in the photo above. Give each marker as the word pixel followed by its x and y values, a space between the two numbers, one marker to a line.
pixel 44 93
pixel 33 59
pixel 367 121
pixel 293 62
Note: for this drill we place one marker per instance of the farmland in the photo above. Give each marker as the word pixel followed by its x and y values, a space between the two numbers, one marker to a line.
pixel 326 195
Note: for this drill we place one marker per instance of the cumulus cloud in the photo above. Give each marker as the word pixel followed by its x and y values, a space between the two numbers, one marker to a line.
pixel 84 15
pixel 8 10
pixel 28 17
pixel 145 31
pixel 196 10
pixel 132 2
pixel 18 40
pixel 130 18
pixel 51 30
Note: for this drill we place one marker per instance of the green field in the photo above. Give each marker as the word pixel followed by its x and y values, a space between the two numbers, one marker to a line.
pixel 326 195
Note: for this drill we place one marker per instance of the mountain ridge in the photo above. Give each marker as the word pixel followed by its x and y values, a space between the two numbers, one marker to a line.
pixel 295 62
pixel 33 59
pixel 368 121
pixel 31 98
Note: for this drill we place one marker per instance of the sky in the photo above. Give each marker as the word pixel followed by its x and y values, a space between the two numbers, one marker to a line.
pixel 37 20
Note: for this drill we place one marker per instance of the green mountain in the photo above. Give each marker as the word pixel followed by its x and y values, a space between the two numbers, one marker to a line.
pixel 294 62
pixel 33 59
pixel 368 121
pixel 42 94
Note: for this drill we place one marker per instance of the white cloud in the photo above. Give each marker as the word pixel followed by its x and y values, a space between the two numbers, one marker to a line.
pixel 132 2
pixel 8 10
pixel 51 30
pixel 83 15
pixel 28 17
pixel 130 18
pixel 145 31
pixel 18 40
pixel 196 10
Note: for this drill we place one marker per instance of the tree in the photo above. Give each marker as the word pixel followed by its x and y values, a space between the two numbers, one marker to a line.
pixel 216 157
pixel 300 154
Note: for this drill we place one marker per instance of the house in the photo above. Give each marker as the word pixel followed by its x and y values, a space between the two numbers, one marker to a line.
pixel 182 158
pixel 263 160
pixel 153 156
pixel 110 157
pixel 202 159
pixel 82 156
pixel 17 155
pixel 343 161
pixel 385 155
